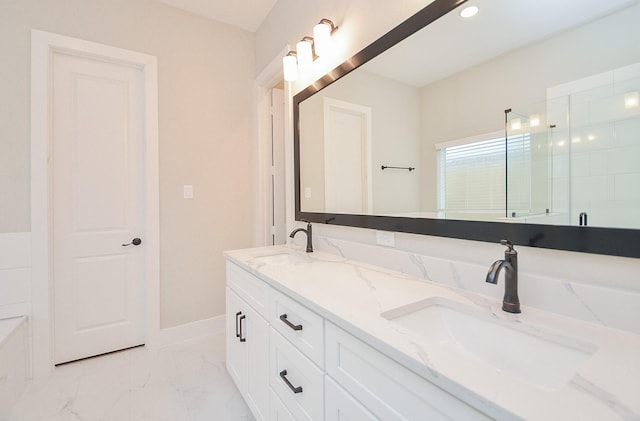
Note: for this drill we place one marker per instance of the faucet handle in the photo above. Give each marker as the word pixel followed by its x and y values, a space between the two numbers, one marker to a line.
pixel 509 245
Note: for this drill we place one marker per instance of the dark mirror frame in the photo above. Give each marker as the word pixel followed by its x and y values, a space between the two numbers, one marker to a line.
pixel 607 241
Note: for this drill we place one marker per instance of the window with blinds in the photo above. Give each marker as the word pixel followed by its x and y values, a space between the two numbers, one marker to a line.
pixel 472 177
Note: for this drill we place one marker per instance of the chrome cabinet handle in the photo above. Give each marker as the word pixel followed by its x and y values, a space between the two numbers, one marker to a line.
pixel 237 333
pixel 240 320
pixel 283 376
pixel 136 242
pixel 283 317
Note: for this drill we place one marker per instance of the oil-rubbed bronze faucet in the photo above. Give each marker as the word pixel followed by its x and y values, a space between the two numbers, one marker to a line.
pixel 510 302
pixel 306 231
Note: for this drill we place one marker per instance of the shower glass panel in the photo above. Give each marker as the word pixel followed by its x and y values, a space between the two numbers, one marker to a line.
pixel 528 157
pixel 605 155
pixel 574 159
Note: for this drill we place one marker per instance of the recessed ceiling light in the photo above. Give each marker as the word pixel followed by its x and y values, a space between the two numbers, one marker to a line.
pixel 467 12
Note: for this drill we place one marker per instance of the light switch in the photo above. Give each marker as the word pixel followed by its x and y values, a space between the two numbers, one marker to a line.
pixel 187 191
pixel 307 192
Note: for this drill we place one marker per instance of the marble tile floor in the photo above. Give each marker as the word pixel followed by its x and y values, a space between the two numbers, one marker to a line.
pixel 182 382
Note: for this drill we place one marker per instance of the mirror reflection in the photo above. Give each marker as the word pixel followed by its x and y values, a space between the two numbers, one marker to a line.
pixel 526 112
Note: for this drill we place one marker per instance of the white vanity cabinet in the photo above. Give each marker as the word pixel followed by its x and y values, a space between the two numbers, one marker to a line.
pixel 290 363
pixel 247 341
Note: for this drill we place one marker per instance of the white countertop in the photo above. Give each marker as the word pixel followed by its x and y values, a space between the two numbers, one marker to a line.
pixel 353 295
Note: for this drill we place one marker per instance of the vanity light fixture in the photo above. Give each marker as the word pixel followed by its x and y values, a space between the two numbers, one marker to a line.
pixel 304 50
pixel 308 49
pixel 290 66
pixel 469 11
pixel 631 100
pixel 322 36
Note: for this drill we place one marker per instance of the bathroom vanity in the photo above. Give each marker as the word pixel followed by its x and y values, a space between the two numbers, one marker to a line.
pixel 314 336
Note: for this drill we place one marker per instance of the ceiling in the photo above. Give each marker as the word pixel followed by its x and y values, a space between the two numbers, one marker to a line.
pixel 244 14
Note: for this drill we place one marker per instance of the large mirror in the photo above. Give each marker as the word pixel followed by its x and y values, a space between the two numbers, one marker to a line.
pixel 522 121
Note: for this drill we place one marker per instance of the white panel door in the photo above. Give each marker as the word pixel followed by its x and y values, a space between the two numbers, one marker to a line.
pixel 98 201
pixel 347 157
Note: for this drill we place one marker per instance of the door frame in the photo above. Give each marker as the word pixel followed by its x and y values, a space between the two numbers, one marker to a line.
pixel 43 45
pixel 271 75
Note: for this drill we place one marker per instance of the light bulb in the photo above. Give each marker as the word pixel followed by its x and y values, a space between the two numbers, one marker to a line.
pixel 322 38
pixel 534 120
pixel 631 100
pixel 468 12
pixel 290 68
pixel 305 54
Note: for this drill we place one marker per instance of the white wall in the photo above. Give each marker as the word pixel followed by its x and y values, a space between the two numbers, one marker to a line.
pixel 205 114
pixel 15 274
pixel 606 277
pixel 395 110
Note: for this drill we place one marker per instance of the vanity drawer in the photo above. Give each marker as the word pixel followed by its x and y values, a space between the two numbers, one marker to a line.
pixel 278 411
pixel 295 380
pixel 301 326
pixel 387 389
pixel 252 289
pixel 340 405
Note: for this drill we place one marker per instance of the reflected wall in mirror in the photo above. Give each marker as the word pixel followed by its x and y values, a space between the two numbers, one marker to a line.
pixel 522 114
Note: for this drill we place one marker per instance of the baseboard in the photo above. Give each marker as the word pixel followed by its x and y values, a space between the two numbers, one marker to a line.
pixel 193 330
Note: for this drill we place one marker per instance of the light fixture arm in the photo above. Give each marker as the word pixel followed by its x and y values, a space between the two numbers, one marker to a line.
pixel 329 22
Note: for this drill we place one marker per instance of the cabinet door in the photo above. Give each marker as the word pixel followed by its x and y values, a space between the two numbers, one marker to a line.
pixel 256 332
pixel 340 405
pixel 236 351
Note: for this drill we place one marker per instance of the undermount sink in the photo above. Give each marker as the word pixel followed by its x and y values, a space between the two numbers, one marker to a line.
pixel 280 258
pixel 541 357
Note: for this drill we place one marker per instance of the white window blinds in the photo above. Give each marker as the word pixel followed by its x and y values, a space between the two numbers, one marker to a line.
pixel 472 176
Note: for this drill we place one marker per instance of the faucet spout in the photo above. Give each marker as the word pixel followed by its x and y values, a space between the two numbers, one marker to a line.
pixel 494 271
pixel 510 302
pixel 308 232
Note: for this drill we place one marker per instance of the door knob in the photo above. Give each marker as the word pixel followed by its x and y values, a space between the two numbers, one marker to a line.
pixel 136 242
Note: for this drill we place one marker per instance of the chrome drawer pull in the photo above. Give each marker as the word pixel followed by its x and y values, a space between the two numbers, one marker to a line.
pixel 283 376
pixel 283 317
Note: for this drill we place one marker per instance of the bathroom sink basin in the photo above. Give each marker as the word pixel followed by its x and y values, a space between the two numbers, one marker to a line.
pixel 280 258
pixel 541 357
